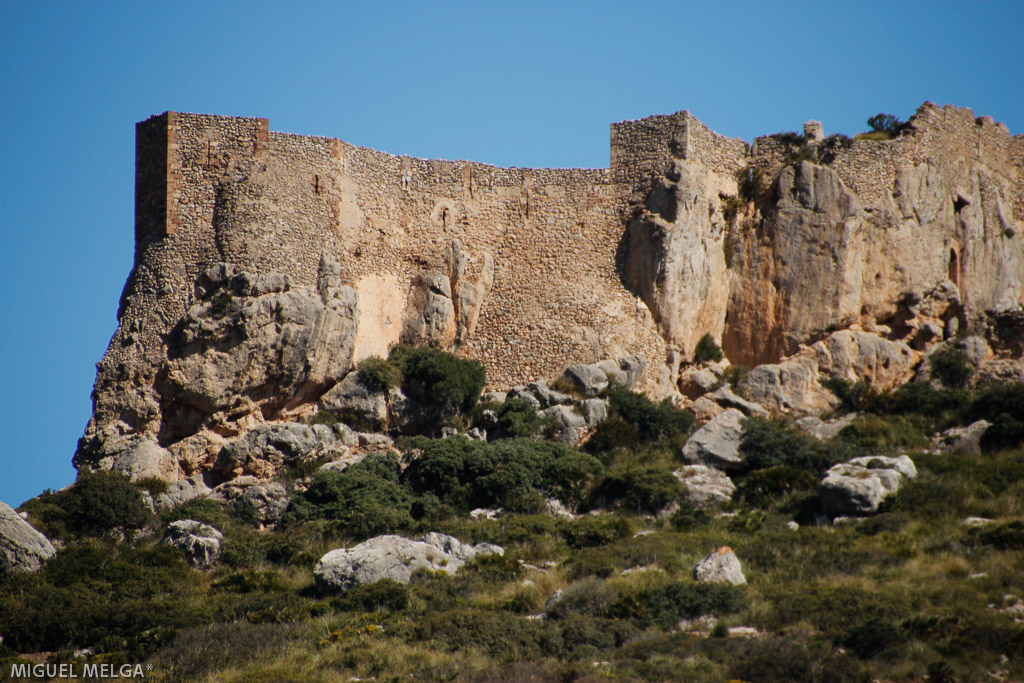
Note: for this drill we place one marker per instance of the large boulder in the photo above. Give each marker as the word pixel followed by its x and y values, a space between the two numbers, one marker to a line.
pixel 182 491
pixel 963 439
pixel 718 442
pixel 200 542
pixel 390 557
pixel 861 356
pixel 546 395
pixel 859 486
pixel 22 548
pixel 790 386
pixel 354 398
pixel 456 548
pixel 589 380
pixel 570 427
pixel 824 429
pixel 705 484
pixel 721 566
pixel 146 459
pixel 264 450
pixel 260 500
pixel 726 397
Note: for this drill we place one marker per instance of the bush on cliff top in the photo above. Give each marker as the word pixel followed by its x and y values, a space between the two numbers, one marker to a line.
pixel 95 504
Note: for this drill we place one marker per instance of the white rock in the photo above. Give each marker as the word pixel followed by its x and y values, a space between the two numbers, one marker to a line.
pixel 201 542
pixel 859 486
pixel 721 566
pixel 705 484
pixel 717 443
pixel 388 557
pixel 22 548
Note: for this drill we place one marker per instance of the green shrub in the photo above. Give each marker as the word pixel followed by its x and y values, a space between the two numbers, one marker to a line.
pixel 590 531
pixel 611 434
pixel 509 473
pixel 1003 406
pixel 590 597
pixel 951 366
pixel 1004 536
pixel 441 380
pixel 518 419
pixel 770 443
pixel 374 597
pixel 205 510
pixel 637 489
pixel 93 592
pixel 779 660
pixel 869 638
pixel 768 486
pixel 885 123
pixel 666 605
pixel 654 422
pixel 750 182
pixel 853 397
pixel 154 485
pixel 688 516
pixel 251 581
pixel 1005 432
pixel 97 503
pixel 378 374
pixel 873 433
pixel 707 350
pixel 361 503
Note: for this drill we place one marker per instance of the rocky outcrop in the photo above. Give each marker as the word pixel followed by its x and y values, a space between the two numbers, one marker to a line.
pixel 395 558
pixel 721 566
pixel 250 345
pixel 675 255
pixel 963 439
pixel 261 501
pixel 859 486
pixel 705 484
pixel 200 542
pixel 862 357
pixel 22 548
pixel 181 491
pixel 717 443
pixel 265 450
pixel 253 341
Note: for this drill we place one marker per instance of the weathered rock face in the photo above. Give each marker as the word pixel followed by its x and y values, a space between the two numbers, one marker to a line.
pixel 200 542
pixel 675 256
pixel 395 558
pixel 253 340
pixel 22 548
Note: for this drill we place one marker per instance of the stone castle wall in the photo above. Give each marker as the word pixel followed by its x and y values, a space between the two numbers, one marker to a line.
pixel 212 188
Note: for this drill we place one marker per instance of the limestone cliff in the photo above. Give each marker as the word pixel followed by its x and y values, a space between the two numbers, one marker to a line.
pixel 268 264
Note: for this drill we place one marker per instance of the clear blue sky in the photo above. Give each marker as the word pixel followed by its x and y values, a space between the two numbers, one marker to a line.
pixel 516 83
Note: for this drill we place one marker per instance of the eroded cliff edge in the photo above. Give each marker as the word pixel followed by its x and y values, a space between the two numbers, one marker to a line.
pixel 268 264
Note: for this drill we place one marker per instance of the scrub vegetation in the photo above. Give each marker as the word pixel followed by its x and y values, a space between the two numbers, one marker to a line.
pixel 910 592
